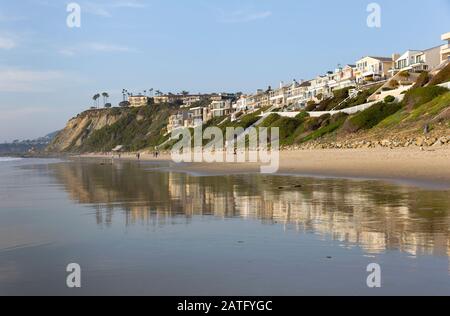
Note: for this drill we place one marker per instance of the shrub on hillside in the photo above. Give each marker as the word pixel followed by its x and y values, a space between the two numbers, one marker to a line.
pixel 371 116
pixel 441 77
pixel 422 80
pixel 404 74
pixel 287 127
pixel 311 124
pixel 334 123
pixel 270 120
pixel 310 106
pixel 389 99
pixel 338 117
pixel 416 97
pixel 302 116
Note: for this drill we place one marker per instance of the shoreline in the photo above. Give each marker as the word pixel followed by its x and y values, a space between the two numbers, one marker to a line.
pixel 424 168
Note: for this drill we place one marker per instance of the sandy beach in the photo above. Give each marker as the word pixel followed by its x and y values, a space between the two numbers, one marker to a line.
pixel 429 167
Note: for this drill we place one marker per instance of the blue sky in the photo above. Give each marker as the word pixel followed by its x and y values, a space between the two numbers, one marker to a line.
pixel 48 72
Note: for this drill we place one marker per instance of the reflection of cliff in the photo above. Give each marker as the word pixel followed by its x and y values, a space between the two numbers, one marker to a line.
pixel 374 215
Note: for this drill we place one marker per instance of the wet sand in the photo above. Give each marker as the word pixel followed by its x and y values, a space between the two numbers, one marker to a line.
pixel 429 167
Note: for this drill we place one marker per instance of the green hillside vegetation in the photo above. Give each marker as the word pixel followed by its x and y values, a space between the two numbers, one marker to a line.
pixel 442 77
pixel 418 96
pixel 145 128
pixel 139 128
pixel 418 103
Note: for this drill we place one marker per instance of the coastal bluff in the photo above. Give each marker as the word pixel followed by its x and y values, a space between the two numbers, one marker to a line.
pixel 101 130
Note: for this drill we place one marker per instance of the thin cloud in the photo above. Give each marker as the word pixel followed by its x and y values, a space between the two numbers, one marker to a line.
pixel 10 18
pixel 8 115
pixel 20 80
pixel 243 16
pixel 7 43
pixel 95 48
pixel 105 9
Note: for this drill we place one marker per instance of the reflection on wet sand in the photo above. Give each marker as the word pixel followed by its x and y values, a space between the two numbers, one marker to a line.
pixel 373 215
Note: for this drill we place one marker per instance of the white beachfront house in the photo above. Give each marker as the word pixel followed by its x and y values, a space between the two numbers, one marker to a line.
pixel 319 88
pixel 220 108
pixel 241 104
pixel 299 95
pixel 369 69
pixel 445 49
pixel 195 117
pixel 418 60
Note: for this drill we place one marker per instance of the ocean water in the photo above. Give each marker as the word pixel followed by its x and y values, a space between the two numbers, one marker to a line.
pixel 9 159
pixel 141 229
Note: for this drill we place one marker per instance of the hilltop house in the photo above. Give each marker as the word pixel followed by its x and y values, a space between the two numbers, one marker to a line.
pixel 259 100
pixel 319 88
pixel 241 104
pixel 195 117
pixel 177 121
pixel 166 98
pixel 190 100
pixel 445 49
pixel 342 77
pixel 138 100
pixel 418 60
pixel 278 97
pixel 369 69
pixel 220 108
pixel 299 95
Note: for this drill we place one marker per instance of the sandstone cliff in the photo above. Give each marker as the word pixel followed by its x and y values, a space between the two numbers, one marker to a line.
pixel 102 130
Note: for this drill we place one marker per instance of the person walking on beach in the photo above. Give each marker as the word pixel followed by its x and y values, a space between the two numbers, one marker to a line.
pixel 138 156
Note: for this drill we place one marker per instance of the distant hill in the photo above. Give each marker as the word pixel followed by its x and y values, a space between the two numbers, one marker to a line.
pixel 26 146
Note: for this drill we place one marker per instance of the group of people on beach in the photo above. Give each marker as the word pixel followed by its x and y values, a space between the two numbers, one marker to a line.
pixel 156 155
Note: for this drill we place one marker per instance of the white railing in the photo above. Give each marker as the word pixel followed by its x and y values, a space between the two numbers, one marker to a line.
pixel 445 85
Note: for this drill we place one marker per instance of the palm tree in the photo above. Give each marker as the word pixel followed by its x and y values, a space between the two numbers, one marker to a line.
pixel 185 93
pixel 95 98
pixel 105 96
pixel 158 93
pixel 151 91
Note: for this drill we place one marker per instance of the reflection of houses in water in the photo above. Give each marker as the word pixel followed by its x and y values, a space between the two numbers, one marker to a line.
pixel 371 215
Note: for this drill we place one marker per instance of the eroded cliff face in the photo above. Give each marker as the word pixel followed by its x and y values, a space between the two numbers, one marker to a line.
pixel 102 130
pixel 80 128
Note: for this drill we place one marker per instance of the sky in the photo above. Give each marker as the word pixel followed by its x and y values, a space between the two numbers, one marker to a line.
pixel 49 72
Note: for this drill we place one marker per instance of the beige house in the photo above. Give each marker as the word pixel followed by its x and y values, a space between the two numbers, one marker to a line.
pixel 177 121
pixel 138 101
pixel 167 98
pixel 190 100
pixel 259 100
pixel 445 49
pixel 342 77
pixel 369 69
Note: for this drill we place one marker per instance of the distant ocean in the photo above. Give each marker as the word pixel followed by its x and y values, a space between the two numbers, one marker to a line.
pixel 7 159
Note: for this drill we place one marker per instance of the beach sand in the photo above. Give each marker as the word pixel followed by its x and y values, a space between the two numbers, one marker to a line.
pixel 430 167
